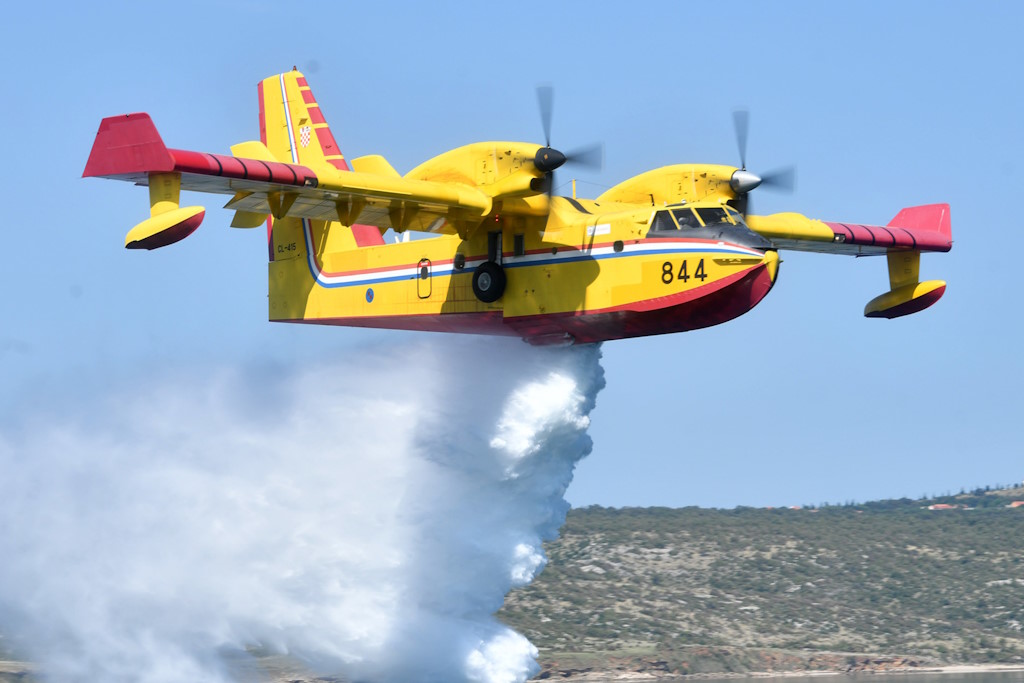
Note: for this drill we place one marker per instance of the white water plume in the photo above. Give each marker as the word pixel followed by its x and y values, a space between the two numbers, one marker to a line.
pixel 367 516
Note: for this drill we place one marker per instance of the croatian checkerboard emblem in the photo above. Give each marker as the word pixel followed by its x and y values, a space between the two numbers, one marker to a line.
pixel 304 134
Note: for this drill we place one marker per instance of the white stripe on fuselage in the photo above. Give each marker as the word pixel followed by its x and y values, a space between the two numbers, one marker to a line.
pixel 412 272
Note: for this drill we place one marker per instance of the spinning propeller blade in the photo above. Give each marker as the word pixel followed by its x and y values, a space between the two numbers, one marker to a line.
pixel 741 123
pixel 549 159
pixel 546 103
pixel 743 181
pixel 783 179
pixel 589 156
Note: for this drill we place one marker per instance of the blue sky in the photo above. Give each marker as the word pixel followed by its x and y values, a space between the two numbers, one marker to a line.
pixel 880 106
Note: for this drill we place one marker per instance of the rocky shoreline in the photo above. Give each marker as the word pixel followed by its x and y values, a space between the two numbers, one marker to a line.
pixel 817 664
pixel 283 670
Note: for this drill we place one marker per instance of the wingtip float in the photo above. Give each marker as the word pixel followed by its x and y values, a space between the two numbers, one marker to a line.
pixel 666 251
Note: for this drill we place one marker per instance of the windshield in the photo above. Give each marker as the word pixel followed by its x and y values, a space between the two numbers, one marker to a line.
pixel 685 218
pixel 663 221
pixel 712 215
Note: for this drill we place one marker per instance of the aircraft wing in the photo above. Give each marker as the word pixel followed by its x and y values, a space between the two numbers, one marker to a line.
pixel 916 228
pixel 128 147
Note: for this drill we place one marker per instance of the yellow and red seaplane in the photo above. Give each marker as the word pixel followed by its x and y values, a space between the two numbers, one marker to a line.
pixel 666 251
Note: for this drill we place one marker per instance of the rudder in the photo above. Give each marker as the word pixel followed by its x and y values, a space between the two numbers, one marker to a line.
pixel 294 129
pixel 292 126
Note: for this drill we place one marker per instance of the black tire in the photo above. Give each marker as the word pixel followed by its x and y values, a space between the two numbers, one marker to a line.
pixel 489 282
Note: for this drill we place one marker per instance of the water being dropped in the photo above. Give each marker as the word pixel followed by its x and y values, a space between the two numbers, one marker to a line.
pixel 366 514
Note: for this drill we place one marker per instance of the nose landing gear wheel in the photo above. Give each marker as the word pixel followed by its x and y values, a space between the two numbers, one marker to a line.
pixel 489 282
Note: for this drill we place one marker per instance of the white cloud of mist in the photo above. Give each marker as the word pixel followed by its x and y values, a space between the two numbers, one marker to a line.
pixel 367 515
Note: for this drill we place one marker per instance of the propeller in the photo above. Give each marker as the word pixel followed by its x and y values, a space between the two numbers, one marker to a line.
pixel 548 159
pixel 743 181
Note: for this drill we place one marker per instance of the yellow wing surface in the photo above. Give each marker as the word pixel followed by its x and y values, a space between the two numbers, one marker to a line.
pixel 913 230
pixel 297 171
pixel 129 148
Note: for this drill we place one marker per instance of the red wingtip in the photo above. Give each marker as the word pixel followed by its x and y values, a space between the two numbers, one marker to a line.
pixel 126 145
pixel 931 217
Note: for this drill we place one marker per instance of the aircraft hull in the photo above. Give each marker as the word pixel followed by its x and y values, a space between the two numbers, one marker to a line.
pixel 716 302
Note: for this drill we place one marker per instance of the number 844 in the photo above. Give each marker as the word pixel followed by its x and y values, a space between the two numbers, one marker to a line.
pixel 669 273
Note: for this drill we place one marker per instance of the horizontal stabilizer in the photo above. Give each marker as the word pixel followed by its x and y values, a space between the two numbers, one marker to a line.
pixel 375 164
pixel 252 149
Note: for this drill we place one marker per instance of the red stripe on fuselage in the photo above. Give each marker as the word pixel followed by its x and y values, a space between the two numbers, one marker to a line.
pixel 712 304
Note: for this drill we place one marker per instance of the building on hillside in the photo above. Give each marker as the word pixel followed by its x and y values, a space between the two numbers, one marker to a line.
pixel 1016 504
pixel 943 506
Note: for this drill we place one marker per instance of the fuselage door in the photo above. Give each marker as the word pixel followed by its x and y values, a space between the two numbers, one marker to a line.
pixel 423 284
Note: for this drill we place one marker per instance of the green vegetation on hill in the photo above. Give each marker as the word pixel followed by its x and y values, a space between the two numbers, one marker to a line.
pixel 690 590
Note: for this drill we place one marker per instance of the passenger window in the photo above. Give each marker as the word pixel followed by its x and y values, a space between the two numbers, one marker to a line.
pixel 686 218
pixel 663 221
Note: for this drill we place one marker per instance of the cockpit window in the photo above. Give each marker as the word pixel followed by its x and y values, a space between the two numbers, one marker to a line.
pixel 735 215
pixel 712 215
pixel 663 221
pixel 686 218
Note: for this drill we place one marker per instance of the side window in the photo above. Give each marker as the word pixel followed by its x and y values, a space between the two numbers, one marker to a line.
pixel 686 218
pixel 663 221
pixel 712 215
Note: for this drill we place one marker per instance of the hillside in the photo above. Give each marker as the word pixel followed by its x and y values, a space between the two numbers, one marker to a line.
pixel 884 585
pixel 841 587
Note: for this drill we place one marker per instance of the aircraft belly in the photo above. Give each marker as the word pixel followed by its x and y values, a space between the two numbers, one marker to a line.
pixel 658 293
